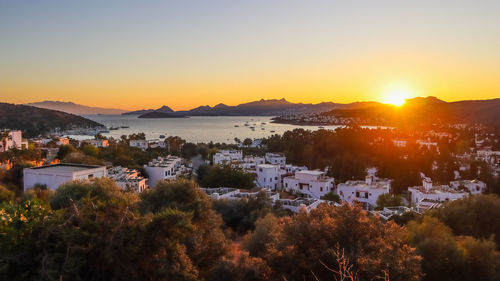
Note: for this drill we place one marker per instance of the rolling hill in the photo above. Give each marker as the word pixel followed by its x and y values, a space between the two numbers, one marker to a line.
pixel 34 121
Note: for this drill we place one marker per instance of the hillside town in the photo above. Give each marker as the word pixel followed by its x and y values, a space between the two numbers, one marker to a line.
pixel 57 160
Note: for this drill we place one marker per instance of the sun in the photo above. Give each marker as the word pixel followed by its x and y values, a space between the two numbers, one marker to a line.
pixel 396 97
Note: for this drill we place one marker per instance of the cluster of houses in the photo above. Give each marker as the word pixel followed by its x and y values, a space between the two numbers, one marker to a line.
pixel 272 173
pixel 145 144
pixel 53 176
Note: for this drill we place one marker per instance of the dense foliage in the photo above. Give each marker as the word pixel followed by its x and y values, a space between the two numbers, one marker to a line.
pixel 224 176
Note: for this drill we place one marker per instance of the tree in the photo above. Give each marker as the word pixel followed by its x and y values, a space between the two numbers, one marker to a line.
pixel 225 176
pixel 186 196
pixel 6 194
pixel 388 200
pixel 189 150
pixel 65 150
pixel 446 257
pixel 299 246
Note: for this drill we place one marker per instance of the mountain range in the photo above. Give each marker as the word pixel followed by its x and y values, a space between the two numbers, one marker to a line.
pixel 73 108
pixel 262 107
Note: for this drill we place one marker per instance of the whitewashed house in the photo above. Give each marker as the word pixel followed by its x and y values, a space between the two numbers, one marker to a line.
pixel 163 168
pixel 428 193
pixel 225 157
pixel 10 139
pixel 268 176
pixel 96 143
pixel 276 159
pixel 141 144
pixel 366 191
pixel 127 179
pixel 53 176
pixel 312 183
pixel 472 186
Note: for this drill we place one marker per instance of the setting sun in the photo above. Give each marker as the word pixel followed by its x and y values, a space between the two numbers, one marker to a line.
pixel 396 97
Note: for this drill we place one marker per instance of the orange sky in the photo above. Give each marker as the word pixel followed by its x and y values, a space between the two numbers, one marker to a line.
pixel 185 55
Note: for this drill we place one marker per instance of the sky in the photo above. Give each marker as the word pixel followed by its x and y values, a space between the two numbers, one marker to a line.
pixel 186 53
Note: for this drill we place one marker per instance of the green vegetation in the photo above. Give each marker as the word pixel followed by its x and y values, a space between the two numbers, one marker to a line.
pixel 224 176
pixel 96 231
pixel 388 200
pixel 34 121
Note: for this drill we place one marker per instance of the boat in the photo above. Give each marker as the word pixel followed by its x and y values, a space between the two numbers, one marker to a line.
pixel 263 123
pixel 246 124
pixel 262 128
pixel 124 127
pixel 273 131
pixel 162 136
pixel 236 126
pixel 113 128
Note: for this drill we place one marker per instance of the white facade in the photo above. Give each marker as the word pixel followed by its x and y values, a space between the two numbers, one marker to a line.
pixel 268 176
pixel 225 157
pixel 429 193
pixel 313 183
pixel 97 143
pixel 141 144
pixel 54 175
pixel 276 159
pixel 12 139
pixel 163 168
pixel 159 144
pixel 472 186
pixel 127 178
pixel 366 191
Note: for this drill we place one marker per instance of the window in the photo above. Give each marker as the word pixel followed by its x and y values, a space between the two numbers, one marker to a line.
pixel 357 194
pixel 321 189
pixel 91 176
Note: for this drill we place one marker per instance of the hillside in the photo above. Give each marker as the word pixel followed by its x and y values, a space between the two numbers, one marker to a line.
pixel 73 108
pixel 34 121
pixel 422 111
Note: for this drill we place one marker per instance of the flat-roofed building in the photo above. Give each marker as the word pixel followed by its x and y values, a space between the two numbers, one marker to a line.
pixel 276 159
pixel 268 176
pixel 142 144
pixel 127 179
pixel 163 168
pixel 428 192
pixel 226 157
pixel 366 191
pixel 53 176
pixel 313 183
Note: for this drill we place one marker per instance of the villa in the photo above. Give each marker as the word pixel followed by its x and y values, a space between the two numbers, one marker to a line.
pixel 127 179
pixel 164 168
pixel 366 192
pixel 311 183
pixel 54 176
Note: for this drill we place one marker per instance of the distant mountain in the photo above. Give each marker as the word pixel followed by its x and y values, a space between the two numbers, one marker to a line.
pixel 429 110
pixel 73 108
pixel 272 107
pixel 160 114
pixel 164 109
pixel 34 121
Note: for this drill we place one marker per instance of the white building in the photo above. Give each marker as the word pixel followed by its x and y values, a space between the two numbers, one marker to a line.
pixel 313 183
pixel 12 139
pixel 159 144
pixel 127 179
pixel 472 186
pixel 268 176
pixel 292 169
pixel 141 144
pixel 366 191
pixel 428 193
pixel 54 175
pixel 276 159
pixel 163 168
pixel 96 143
pixel 225 157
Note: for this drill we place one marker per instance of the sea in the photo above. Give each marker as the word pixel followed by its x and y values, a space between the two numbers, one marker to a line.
pixel 222 129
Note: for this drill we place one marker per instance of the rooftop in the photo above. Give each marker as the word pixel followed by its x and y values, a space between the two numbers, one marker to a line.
pixel 66 167
pixel 310 172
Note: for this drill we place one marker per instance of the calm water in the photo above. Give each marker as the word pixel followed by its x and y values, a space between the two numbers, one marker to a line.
pixel 198 128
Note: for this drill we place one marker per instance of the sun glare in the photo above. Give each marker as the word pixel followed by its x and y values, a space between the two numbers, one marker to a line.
pixel 396 97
